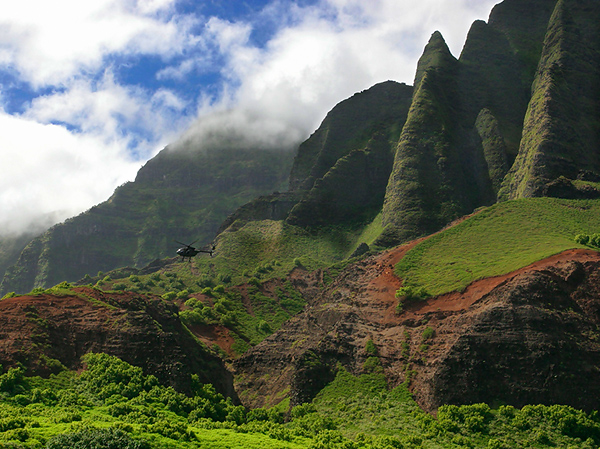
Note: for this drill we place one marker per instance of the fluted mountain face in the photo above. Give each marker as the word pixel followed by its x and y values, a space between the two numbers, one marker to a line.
pixel 178 195
pixel 561 132
pixel 513 116
pixel 463 130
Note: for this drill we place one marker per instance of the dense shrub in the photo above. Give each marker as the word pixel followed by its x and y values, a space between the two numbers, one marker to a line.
pixel 427 333
pixel 13 381
pixel 411 293
pixel 107 375
pixel 588 240
pixel 183 294
pixel 370 348
pixel 92 438
pixel 169 296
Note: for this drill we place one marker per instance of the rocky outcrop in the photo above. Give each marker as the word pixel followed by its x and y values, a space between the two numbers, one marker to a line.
pixel 534 338
pixel 530 336
pixel 45 331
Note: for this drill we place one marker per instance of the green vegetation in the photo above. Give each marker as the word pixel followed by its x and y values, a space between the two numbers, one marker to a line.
pixel 408 294
pixel 588 240
pixel 258 244
pixel 247 328
pixel 496 241
pixel 248 323
pixel 114 405
pixel 258 251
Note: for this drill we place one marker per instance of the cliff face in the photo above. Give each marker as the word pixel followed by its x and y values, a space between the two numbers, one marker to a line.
pixel 341 171
pixel 349 126
pixel 532 338
pixel 43 331
pixel 464 127
pixel 514 116
pixel 527 337
pixel 176 196
pixel 561 133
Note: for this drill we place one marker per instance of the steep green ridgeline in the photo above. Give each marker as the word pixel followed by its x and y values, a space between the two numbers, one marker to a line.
pixel 349 126
pixel 181 195
pixel 113 404
pixel 498 240
pixel 340 173
pixel 562 125
pixel 427 186
pixel 465 123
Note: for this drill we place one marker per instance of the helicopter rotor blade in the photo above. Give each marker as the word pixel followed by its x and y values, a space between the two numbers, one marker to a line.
pixel 185 244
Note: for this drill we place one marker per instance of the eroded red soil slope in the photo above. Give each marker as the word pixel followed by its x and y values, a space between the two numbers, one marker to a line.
pixel 41 331
pixel 530 336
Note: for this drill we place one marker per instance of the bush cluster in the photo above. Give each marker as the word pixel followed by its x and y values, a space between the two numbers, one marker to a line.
pixel 592 240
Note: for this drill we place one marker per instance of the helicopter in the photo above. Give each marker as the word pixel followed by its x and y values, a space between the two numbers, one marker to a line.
pixel 189 251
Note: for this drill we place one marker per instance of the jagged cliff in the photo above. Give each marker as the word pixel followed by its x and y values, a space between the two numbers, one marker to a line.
pixel 514 116
pixel 561 131
pixel 464 127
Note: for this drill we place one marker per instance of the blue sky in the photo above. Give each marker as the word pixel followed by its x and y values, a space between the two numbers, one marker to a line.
pixel 90 90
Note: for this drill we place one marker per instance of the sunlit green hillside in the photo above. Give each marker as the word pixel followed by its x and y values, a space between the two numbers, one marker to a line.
pixel 498 240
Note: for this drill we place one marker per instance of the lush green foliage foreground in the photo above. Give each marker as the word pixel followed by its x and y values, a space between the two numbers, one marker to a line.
pixel 113 405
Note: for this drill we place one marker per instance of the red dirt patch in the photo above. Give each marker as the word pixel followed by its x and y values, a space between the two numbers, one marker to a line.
pixel 382 287
pixel 215 335
pixel 454 301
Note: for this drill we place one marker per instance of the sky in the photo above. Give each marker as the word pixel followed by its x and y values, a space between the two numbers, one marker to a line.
pixel 90 90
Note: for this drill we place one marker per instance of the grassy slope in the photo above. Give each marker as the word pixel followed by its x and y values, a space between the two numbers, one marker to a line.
pixel 241 253
pixel 498 240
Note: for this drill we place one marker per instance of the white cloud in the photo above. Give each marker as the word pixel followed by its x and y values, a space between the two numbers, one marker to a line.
pixel 106 110
pixel 324 54
pixel 48 42
pixel 53 170
pixel 70 149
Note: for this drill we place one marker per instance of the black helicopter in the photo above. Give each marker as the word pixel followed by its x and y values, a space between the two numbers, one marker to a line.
pixel 189 251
